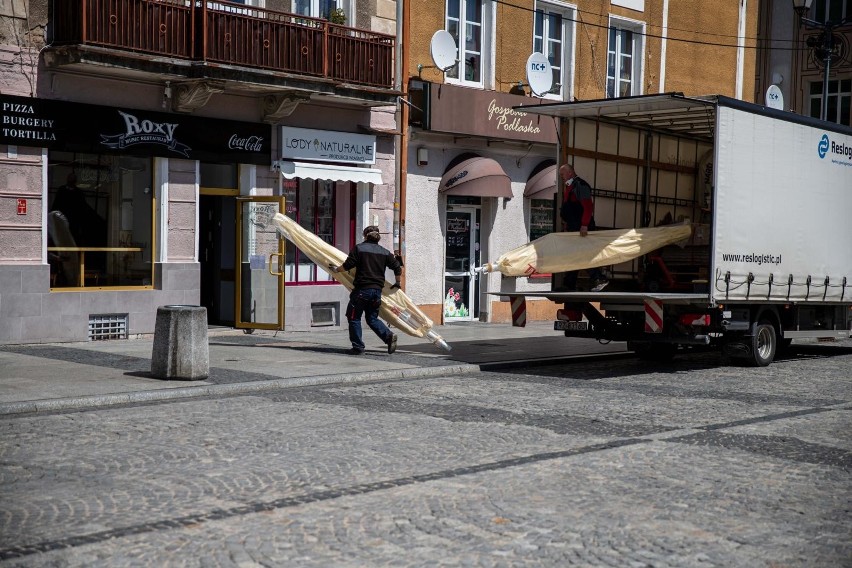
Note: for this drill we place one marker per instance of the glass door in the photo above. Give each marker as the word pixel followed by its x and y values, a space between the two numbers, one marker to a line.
pixel 461 254
pixel 260 261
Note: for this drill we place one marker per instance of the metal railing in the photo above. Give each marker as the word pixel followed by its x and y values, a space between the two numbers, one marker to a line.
pixel 230 34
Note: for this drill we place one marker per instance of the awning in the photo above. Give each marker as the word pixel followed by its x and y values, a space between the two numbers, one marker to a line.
pixel 482 177
pixel 542 185
pixel 670 113
pixel 308 170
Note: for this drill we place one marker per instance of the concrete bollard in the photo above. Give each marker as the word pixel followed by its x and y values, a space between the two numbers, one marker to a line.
pixel 180 349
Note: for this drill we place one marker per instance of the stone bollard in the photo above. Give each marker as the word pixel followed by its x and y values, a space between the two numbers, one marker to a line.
pixel 180 349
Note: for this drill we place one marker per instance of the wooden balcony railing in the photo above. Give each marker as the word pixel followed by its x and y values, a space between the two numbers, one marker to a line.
pixel 232 34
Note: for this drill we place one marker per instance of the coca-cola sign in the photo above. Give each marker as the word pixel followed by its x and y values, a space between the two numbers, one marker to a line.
pixel 249 144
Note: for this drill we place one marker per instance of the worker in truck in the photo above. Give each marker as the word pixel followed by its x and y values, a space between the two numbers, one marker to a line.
pixel 578 215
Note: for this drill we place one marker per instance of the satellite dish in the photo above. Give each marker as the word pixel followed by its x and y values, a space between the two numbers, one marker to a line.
pixel 774 97
pixel 539 74
pixel 443 49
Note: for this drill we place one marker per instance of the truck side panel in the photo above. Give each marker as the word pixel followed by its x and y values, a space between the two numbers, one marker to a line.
pixel 782 210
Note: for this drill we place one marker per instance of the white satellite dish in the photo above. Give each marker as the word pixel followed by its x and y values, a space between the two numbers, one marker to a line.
pixel 443 49
pixel 774 97
pixel 539 74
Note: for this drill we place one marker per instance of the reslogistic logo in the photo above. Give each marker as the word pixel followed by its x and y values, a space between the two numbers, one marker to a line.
pixel 827 146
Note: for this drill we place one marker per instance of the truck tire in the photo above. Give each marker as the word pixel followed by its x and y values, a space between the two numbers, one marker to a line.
pixel 764 343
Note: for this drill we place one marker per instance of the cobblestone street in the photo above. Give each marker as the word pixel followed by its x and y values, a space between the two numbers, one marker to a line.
pixel 604 462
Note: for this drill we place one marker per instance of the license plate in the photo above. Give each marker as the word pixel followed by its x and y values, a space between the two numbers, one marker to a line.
pixel 561 325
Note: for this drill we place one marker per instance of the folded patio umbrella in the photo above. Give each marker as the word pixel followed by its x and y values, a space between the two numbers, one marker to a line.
pixel 561 252
pixel 397 307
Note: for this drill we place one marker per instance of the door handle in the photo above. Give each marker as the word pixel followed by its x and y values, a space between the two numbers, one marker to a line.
pixel 280 272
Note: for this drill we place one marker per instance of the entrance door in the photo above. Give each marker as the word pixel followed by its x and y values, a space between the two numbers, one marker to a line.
pixel 461 290
pixel 216 241
pixel 260 260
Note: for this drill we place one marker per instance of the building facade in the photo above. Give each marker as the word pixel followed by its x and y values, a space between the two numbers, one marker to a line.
pixel 791 62
pixel 480 176
pixel 145 146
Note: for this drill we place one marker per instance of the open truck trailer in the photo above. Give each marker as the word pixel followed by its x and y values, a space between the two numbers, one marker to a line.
pixel 769 196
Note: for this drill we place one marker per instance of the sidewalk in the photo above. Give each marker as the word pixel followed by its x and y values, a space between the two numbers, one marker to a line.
pixel 61 376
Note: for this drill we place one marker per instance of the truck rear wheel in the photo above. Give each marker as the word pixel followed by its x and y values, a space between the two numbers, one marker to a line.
pixel 764 343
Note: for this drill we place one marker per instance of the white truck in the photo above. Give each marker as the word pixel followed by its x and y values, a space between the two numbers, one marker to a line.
pixel 769 196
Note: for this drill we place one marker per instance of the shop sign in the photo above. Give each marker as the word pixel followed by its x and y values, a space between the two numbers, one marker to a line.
pixel 461 110
pixel 327 146
pixel 78 127
pixel 22 206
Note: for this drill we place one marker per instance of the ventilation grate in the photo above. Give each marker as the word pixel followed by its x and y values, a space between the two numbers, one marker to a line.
pixel 107 326
pixel 323 314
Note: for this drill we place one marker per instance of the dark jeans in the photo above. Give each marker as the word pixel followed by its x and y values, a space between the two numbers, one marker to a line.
pixel 595 274
pixel 366 302
pixel 570 281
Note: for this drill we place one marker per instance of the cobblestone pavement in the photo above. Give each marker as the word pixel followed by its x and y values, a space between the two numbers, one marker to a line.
pixel 595 463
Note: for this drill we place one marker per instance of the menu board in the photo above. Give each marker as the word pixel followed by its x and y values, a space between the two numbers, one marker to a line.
pixel 541 217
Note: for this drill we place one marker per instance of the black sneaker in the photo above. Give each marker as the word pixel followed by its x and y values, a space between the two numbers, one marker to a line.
pixel 600 285
pixel 354 351
pixel 392 344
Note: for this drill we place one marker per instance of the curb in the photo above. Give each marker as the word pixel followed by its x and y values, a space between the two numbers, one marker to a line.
pixel 118 399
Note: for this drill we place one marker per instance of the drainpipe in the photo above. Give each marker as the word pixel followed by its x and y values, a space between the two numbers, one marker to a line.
pixel 402 36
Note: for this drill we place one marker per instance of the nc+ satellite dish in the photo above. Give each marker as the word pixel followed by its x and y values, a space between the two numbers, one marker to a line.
pixel 774 97
pixel 444 50
pixel 539 74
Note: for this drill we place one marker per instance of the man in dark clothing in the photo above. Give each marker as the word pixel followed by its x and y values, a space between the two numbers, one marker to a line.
pixel 86 226
pixel 369 261
pixel 577 212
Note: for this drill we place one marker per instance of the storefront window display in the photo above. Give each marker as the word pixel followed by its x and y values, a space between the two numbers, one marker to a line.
pixel 313 204
pixel 100 220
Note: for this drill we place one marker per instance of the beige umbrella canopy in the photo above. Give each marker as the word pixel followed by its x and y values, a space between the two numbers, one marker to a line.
pixel 397 307
pixel 561 252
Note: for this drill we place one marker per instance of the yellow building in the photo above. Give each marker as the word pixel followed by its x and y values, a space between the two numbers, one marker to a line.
pixel 478 177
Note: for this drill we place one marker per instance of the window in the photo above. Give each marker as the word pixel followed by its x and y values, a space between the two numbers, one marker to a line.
pixel 314 8
pixel 222 176
pixel 624 60
pixel 312 204
pixel 465 24
pixel 838 101
pixel 832 10
pixel 542 212
pixel 552 37
pixel 100 220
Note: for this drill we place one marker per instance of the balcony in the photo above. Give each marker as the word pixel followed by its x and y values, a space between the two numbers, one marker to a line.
pixel 221 40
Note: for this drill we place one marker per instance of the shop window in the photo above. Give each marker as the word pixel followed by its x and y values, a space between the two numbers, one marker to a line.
pixel 221 176
pixel 100 221
pixel 541 217
pixel 312 204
